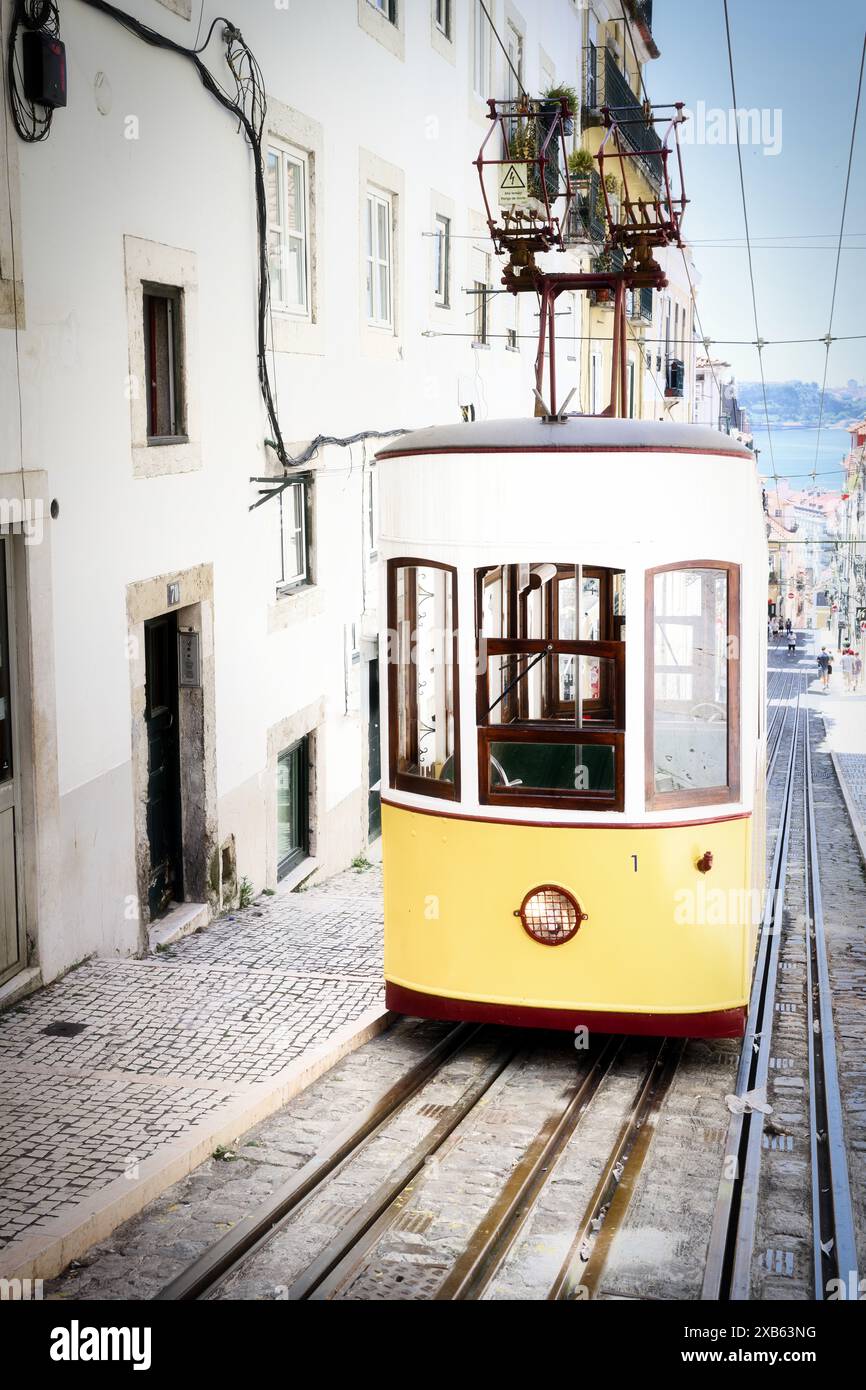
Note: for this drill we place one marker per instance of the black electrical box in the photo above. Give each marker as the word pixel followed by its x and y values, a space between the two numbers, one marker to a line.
pixel 44 68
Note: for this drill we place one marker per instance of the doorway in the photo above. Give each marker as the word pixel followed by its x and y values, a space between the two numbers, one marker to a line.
pixel 11 923
pixel 164 824
pixel 293 818
pixel 374 748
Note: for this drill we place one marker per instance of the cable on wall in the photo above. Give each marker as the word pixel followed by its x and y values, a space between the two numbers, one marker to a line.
pixel 32 120
pixel 247 103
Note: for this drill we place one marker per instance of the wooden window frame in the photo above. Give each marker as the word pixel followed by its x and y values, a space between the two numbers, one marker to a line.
pixel 701 796
pixel 608 627
pixel 173 297
pixel 408 781
pixel 566 797
pixel 301 750
pixel 551 730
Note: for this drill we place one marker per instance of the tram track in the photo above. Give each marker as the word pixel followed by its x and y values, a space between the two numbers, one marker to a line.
pixel 355 1259
pixel 644 1073
pixel 793 922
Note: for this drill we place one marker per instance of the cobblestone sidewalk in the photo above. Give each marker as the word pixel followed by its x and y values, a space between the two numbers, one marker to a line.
pixel 117 1079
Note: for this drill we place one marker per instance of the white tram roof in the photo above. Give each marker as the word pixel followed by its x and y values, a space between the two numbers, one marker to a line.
pixel 577 433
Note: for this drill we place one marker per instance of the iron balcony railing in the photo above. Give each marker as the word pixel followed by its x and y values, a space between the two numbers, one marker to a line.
pixel 606 85
pixel 639 304
pixel 675 377
pixel 586 214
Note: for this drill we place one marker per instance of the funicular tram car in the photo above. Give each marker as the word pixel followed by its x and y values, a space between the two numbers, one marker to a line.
pixel 573 813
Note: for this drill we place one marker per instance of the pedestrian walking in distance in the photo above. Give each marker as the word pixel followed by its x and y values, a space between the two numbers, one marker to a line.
pixel 858 670
pixel 824 667
pixel 788 626
pixel 848 670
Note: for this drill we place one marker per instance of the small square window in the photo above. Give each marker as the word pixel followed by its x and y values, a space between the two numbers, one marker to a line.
pixel 442 261
pixel 294 548
pixel 163 348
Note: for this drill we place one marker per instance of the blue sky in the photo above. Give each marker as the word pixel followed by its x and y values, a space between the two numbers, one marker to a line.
pixel 802 59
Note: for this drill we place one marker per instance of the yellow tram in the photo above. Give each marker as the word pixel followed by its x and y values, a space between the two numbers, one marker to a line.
pixel 573 813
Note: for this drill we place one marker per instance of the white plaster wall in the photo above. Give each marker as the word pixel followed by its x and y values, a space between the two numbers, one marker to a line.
pixel 185 181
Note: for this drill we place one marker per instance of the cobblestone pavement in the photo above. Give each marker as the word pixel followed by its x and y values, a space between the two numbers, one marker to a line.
pixel 101 1070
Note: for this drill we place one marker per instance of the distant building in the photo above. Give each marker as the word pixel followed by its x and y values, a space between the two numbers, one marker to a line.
pixel 716 400
pixel 849 578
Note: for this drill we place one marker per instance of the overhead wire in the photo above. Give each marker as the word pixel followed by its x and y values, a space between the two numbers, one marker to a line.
pixel 758 340
pixel 829 337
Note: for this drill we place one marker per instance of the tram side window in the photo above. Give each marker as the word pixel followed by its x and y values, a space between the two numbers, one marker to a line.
pixel 422 624
pixel 693 645
pixel 551 684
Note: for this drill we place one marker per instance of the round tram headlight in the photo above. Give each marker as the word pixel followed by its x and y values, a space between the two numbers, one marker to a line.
pixel 550 914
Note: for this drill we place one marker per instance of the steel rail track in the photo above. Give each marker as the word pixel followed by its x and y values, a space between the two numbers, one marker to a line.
pixel 495 1235
pixel 580 1274
pixel 225 1254
pixel 736 1205
pixel 834 1244
pixel 475 1268
pixel 728 1273
pixel 489 1245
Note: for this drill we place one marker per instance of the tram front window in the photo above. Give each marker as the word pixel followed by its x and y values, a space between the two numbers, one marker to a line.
pixel 551 684
pixel 423 678
pixel 694 677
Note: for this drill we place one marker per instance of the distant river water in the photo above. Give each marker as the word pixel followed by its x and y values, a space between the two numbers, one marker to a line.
pixel 794 453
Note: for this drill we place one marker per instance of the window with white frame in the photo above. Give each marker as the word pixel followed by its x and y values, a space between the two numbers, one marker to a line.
pixel 388 8
pixel 512 333
pixel 481 296
pixel 294 550
pixel 287 183
pixel 514 49
pixel 442 16
pixel 595 370
pixel 481 53
pixel 373 513
pixel 441 261
pixel 379 285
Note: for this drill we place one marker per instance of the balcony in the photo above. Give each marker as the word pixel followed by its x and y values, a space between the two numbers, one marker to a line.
pixel 586 214
pixel 612 260
pixel 675 377
pixel 639 304
pixel 605 85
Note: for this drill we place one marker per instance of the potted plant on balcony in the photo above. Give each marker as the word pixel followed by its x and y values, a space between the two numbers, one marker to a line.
pixel 585 180
pixel 549 107
pixel 600 263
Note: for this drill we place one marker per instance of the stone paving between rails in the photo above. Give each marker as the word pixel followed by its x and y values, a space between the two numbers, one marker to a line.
pixel 171 1041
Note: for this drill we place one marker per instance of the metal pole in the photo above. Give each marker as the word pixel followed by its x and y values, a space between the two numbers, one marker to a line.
pixel 552 369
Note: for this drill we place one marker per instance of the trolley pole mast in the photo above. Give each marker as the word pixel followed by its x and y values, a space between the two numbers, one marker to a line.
pixel 526 145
